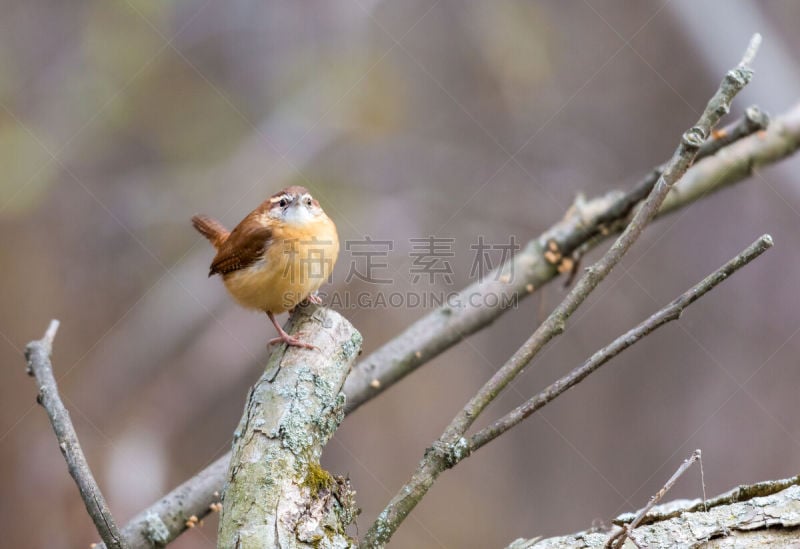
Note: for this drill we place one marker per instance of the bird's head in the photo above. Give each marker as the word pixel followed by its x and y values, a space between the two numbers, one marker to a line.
pixel 294 206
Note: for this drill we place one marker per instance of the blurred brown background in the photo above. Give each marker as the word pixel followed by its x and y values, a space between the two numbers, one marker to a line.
pixel 119 120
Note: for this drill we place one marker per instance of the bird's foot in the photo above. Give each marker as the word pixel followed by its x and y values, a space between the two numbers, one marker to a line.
pixel 292 341
pixel 283 337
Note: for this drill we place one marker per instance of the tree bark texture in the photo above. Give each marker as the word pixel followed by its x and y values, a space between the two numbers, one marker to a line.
pixel 276 493
pixel 766 521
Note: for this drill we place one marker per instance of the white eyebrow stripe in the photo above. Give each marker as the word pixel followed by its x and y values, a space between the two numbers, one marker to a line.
pixel 275 199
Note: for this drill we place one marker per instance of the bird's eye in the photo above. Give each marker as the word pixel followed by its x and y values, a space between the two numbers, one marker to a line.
pixel 283 203
pixel 308 201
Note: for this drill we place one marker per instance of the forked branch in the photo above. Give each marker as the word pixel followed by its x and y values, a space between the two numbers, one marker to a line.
pixel 669 313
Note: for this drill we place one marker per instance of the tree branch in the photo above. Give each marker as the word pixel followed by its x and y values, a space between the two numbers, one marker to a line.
pixel 170 516
pixel 277 495
pixel 742 492
pixel 451 444
pixel 768 516
pixel 37 354
pixel 669 313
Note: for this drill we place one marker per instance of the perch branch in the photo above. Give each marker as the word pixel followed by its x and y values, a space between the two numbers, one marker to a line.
pixel 451 443
pixel 669 313
pixel 276 494
pixel 168 518
pixel 37 354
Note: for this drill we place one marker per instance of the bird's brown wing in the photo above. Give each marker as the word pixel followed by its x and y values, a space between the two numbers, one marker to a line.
pixel 242 248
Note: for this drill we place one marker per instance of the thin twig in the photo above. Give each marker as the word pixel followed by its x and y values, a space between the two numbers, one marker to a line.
pixel 669 313
pixel 448 449
pixel 703 485
pixel 612 219
pixel 754 120
pixel 618 538
pixel 617 213
pixel 37 354
pixel 750 53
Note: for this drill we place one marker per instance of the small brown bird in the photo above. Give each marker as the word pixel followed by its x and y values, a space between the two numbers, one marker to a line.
pixel 277 256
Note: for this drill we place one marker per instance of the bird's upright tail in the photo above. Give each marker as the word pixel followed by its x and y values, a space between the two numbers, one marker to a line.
pixel 211 229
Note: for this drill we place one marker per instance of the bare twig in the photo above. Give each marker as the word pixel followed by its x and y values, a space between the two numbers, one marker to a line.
pixel 618 538
pixel 750 53
pixel 451 445
pixel 612 219
pixel 37 353
pixel 669 313
pixel 754 120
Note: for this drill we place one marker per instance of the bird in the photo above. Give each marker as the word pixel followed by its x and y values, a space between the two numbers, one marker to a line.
pixel 277 257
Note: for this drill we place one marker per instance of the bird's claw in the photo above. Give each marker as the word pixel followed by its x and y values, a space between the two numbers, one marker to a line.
pixel 292 341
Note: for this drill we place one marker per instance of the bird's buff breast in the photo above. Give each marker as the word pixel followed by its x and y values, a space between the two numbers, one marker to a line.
pixel 296 263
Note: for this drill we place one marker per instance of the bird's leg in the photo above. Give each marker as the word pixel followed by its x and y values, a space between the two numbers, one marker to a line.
pixel 286 338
